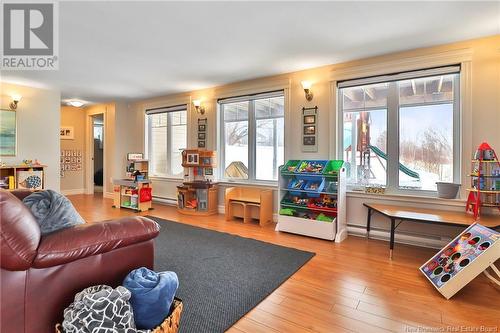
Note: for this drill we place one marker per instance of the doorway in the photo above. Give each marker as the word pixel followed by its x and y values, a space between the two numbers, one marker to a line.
pixel 97 150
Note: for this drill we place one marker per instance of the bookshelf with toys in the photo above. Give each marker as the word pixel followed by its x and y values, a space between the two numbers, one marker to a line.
pixel 29 175
pixel 485 181
pixel 312 199
pixel 198 193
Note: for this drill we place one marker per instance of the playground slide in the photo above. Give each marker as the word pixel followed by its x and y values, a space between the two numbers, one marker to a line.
pixel 403 168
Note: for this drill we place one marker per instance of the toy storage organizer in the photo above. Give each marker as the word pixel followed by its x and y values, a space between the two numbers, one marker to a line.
pixel 312 199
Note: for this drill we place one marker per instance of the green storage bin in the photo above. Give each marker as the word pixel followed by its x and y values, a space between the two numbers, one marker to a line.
pixel 332 168
pixel 290 166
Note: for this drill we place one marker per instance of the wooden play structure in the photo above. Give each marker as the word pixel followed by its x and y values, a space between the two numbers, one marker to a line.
pixel 249 203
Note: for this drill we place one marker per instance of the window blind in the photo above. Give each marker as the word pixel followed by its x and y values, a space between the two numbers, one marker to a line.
pixel 399 76
pixel 251 97
pixel 165 109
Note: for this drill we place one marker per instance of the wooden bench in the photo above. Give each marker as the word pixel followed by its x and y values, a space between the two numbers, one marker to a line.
pixel 249 203
pixel 424 215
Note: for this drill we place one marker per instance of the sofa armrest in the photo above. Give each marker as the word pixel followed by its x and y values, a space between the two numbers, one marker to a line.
pixel 93 238
pixel 21 194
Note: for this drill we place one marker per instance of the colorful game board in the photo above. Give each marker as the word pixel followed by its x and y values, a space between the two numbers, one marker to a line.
pixel 463 259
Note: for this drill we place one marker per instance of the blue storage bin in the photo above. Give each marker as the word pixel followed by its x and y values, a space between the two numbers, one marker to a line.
pixel 315 187
pixel 296 184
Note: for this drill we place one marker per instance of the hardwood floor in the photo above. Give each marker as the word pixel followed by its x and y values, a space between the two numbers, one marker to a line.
pixel 346 287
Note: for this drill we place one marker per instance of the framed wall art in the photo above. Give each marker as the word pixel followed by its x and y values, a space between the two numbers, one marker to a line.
pixel 8 133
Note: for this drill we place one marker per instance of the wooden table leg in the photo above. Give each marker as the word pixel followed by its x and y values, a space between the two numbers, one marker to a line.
pixel 368 220
pixel 393 229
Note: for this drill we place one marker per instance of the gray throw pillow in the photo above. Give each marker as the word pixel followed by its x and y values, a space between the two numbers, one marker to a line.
pixel 52 210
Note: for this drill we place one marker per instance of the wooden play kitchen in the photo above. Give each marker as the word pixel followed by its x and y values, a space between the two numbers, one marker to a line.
pixel 198 193
pixel 249 203
pixel 312 199
pixel 135 191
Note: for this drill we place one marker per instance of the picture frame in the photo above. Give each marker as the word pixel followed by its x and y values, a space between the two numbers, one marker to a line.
pixel 209 171
pixel 309 141
pixel 201 144
pixel 309 119
pixel 202 128
pixel 67 133
pixel 202 136
pixel 192 159
pixel 8 132
pixel 310 130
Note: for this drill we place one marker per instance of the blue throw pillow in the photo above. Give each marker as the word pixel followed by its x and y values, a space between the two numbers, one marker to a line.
pixel 52 210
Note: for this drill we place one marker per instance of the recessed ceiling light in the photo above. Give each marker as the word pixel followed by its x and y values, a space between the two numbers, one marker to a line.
pixel 76 104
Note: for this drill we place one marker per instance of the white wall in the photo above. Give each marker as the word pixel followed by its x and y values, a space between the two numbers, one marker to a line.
pixel 38 121
pixel 483 122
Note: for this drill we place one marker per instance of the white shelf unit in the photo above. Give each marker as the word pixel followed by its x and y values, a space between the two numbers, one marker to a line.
pixel 335 230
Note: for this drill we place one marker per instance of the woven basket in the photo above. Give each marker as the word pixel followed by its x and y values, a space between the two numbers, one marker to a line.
pixel 169 325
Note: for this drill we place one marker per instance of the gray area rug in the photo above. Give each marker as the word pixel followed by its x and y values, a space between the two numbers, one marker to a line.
pixel 221 276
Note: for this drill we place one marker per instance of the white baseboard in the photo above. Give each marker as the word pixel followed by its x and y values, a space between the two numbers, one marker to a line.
pixel 73 191
pixel 165 201
pixel 108 195
pixel 429 241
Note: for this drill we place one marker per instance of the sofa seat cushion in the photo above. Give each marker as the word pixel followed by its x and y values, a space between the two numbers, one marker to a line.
pixel 93 238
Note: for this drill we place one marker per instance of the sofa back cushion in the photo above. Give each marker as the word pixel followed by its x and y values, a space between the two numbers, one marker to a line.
pixel 19 233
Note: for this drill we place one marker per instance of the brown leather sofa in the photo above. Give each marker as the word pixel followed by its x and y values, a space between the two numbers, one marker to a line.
pixel 41 274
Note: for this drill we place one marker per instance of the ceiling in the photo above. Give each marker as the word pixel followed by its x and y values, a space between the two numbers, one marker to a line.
pixel 132 50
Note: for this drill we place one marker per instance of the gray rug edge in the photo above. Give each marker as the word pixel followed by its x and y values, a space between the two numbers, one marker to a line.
pixel 234 235
pixel 309 253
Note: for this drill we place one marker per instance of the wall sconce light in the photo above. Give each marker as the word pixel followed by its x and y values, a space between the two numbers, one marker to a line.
pixel 15 100
pixel 306 85
pixel 197 105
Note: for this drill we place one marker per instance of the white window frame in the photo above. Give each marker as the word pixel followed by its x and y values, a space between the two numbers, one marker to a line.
pixel 252 134
pixel 168 110
pixel 392 122
pixel 411 62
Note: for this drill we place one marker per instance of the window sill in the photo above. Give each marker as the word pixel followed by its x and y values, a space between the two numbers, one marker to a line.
pixel 273 184
pixel 166 178
pixel 407 198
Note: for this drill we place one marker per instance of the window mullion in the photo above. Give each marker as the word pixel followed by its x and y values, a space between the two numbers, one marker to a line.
pixel 392 137
pixel 252 140
pixel 457 121
pixel 169 144
pixel 222 142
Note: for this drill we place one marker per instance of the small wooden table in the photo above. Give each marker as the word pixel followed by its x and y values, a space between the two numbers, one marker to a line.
pixel 424 215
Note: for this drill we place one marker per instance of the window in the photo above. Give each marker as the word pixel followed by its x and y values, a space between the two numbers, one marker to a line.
pixel 252 136
pixel 402 131
pixel 166 130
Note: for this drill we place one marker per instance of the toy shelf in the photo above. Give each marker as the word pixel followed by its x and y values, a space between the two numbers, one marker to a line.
pixel 312 199
pixel 485 181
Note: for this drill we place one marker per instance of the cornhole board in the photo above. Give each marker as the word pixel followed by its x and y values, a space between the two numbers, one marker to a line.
pixel 464 258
